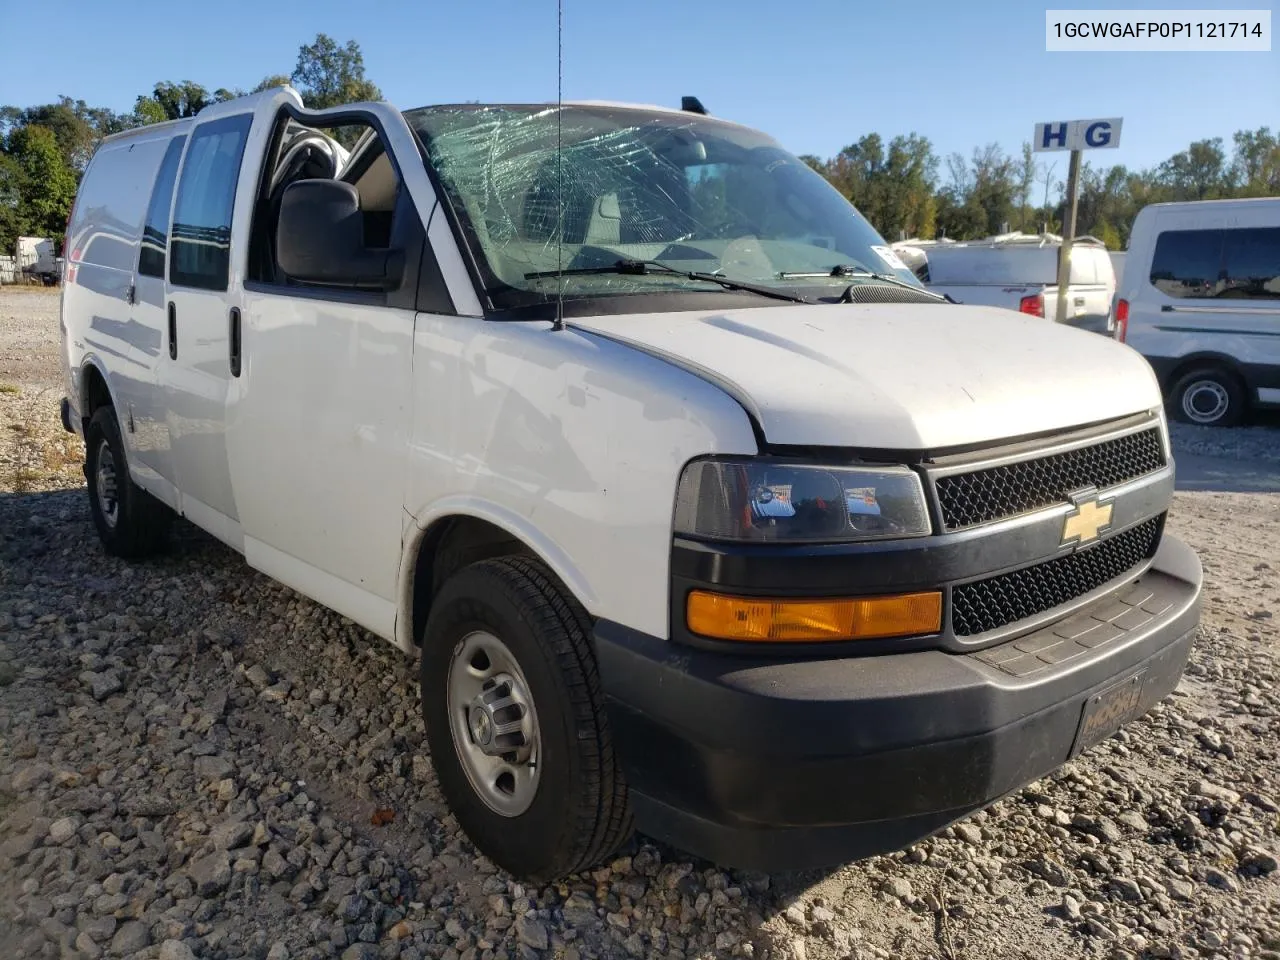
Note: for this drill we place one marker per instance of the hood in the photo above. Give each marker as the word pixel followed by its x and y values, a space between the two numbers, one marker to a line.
pixel 897 376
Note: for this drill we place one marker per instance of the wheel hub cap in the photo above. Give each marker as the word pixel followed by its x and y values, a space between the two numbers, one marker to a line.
pixel 493 723
pixel 1205 401
pixel 107 485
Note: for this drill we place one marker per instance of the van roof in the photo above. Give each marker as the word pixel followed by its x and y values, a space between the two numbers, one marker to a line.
pixel 607 104
pixel 1211 204
pixel 176 125
pixel 150 129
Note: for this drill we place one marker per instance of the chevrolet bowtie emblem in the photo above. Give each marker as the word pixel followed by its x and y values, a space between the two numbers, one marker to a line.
pixel 1085 521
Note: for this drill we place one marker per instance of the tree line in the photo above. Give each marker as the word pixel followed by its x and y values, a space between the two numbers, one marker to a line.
pixel 905 190
pixel 44 149
pixel 903 187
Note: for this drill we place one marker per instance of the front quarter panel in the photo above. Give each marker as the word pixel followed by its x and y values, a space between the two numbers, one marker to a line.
pixel 572 443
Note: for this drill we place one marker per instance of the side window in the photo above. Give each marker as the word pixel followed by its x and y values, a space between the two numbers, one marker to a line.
pixel 155 231
pixel 201 248
pixel 1251 264
pixel 1187 263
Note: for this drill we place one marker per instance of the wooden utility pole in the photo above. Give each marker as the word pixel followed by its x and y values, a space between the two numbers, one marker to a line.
pixel 1068 234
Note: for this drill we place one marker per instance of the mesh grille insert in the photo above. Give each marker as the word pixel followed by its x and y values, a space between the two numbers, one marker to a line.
pixel 968 499
pixel 1009 597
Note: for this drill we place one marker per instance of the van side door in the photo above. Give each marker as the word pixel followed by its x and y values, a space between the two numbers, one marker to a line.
pixel 146 420
pixel 200 306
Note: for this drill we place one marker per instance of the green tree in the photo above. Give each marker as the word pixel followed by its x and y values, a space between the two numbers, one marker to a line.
pixel 329 75
pixel 892 186
pixel 45 184
pixel 75 125
pixel 148 110
pixel 271 82
pixel 1256 164
pixel 995 186
pixel 11 211
pixel 1108 234
pixel 1026 180
pixel 1198 173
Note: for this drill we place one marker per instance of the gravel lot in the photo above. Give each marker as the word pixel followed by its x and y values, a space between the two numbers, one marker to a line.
pixel 197 762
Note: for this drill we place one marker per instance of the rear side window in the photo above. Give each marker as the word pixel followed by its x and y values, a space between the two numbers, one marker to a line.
pixel 155 230
pixel 1251 259
pixel 111 203
pixel 201 247
pixel 1209 264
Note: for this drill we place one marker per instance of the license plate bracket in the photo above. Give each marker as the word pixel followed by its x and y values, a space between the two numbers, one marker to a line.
pixel 1106 712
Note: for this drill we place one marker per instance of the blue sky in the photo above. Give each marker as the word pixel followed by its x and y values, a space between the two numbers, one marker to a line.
pixel 817 74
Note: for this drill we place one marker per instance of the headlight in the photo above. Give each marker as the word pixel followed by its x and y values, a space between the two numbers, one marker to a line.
pixel 787 503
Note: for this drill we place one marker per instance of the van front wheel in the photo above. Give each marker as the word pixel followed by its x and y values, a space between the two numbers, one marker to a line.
pixel 1208 396
pixel 515 721
pixel 131 523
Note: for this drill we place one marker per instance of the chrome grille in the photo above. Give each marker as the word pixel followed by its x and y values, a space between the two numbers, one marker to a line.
pixel 1010 489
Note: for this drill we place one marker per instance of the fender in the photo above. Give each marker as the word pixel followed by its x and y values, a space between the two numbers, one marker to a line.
pixel 518 526
pixel 91 359
pixel 1165 368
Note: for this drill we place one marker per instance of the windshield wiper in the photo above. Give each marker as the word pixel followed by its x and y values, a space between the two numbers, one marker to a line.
pixel 639 268
pixel 841 270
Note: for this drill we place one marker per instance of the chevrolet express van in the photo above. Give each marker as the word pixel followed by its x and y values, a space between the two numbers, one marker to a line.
pixel 701 515
pixel 1201 301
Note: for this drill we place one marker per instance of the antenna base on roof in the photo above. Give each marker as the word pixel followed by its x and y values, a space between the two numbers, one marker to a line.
pixel 692 105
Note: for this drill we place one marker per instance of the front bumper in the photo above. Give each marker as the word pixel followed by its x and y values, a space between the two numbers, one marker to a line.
pixel 778 764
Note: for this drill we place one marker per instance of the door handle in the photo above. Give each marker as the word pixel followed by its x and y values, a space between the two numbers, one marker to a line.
pixel 234 341
pixel 130 295
pixel 173 331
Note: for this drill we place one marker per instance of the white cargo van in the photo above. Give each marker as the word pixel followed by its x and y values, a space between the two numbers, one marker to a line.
pixel 1020 272
pixel 700 514
pixel 1200 300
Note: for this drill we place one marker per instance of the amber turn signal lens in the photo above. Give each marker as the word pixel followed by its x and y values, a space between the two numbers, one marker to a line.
pixel 723 617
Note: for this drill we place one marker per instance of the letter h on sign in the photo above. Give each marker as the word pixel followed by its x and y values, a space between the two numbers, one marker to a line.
pixel 1053 134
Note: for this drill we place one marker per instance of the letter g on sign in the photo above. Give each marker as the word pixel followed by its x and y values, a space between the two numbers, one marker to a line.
pixel 1098 134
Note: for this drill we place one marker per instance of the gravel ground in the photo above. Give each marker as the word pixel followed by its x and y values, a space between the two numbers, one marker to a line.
pixel 197 762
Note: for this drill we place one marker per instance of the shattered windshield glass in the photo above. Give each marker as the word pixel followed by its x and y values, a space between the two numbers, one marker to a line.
pixel 682 190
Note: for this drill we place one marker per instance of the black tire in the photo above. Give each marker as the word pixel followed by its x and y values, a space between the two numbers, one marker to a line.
pixel 579 814
pixel 1209 397
pixel 139 525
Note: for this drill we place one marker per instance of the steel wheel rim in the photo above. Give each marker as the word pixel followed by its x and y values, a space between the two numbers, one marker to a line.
pixel 1200 390
pixel 493 724
pixel 107 485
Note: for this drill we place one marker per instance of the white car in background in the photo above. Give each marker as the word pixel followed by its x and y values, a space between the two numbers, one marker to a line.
pixel 1018 271
pixel 1201 301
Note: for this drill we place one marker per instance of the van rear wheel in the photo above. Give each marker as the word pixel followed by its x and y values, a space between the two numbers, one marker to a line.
pixel 515 721
pixel 131 523
pixel 1208 396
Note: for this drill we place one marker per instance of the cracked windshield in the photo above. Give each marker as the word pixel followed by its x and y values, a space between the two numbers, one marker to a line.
pixel 649 200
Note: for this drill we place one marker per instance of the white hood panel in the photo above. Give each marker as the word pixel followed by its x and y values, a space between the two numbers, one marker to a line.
pixel 897 376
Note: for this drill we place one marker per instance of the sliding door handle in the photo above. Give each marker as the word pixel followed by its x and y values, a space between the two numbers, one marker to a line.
pixel 234 341
pixel 173 331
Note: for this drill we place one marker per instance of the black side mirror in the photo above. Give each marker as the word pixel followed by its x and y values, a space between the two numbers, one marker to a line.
pixel 320 239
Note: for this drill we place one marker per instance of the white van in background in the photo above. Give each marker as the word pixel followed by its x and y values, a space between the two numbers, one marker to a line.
pixel 1201 301
pixel 1019 271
